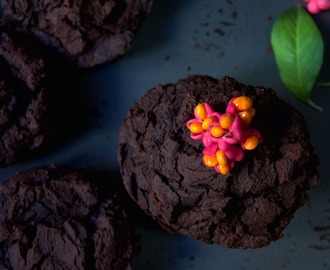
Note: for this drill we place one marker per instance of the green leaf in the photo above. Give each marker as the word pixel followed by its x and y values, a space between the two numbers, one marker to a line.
pixel 298 49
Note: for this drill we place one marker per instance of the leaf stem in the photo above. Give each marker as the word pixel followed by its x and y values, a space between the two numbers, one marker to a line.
pixel 323 84
pixel 313 105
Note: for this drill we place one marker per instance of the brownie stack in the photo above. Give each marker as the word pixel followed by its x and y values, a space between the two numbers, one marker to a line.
pixel 51 217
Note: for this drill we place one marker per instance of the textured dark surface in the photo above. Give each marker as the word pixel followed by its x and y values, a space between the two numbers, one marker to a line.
pixel 90 32
pixel 24 97
pixel 54 218
pixel 248 208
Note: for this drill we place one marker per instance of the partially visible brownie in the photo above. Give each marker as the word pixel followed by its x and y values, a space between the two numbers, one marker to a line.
pixel 89 32
pixel 24 97
pixel 248 207
pixel 55 218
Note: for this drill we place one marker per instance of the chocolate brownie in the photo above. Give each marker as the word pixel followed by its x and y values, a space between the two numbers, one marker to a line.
pixel 248 207
pixel 55 218
pixel 24 97
pixel 90 32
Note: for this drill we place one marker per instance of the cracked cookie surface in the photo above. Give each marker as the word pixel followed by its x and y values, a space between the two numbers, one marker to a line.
pixel 55 218
pixel 89 32
pixel 249 207
pixel 24 98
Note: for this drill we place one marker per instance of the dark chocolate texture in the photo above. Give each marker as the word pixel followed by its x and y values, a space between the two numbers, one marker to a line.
pixel 163 172
pixel 55 218
pixel 24 97
pixel 90 32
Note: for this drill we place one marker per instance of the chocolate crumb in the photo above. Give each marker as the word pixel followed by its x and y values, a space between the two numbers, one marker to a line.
pixel 225 23
pixel 219 31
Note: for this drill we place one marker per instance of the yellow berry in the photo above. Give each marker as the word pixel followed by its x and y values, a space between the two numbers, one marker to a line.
pixel 251 142
pixel 224 169
pixel 221 158
pixel 207 121
pixel 245 116
pixel 243 103
pixel 196 127
pixel 210 161
pixel 217 131
pixel 226 121
pixel 201 111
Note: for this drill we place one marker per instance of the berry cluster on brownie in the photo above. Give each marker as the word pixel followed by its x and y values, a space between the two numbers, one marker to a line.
pixel 249 205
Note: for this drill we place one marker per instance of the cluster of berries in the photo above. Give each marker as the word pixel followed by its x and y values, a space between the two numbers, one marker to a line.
pixel 316 6
pixel 225 136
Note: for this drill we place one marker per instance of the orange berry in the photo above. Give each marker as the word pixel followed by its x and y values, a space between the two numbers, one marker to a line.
pixel 221 158
pixel 207 121
pixel 226 121
pixel 243 103
pixel 217 131
pixel 196 127
pixel 251 142
pixel 253 112
pixel 201 111
pixel 245 116
pixel 210 161
pixel 224 169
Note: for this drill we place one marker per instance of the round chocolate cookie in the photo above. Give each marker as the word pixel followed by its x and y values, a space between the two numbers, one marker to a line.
pixel 248 207
pixel 55 218
pixel 24 97
pixel 90 32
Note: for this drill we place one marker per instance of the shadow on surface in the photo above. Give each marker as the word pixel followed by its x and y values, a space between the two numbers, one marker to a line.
pixel 159 25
